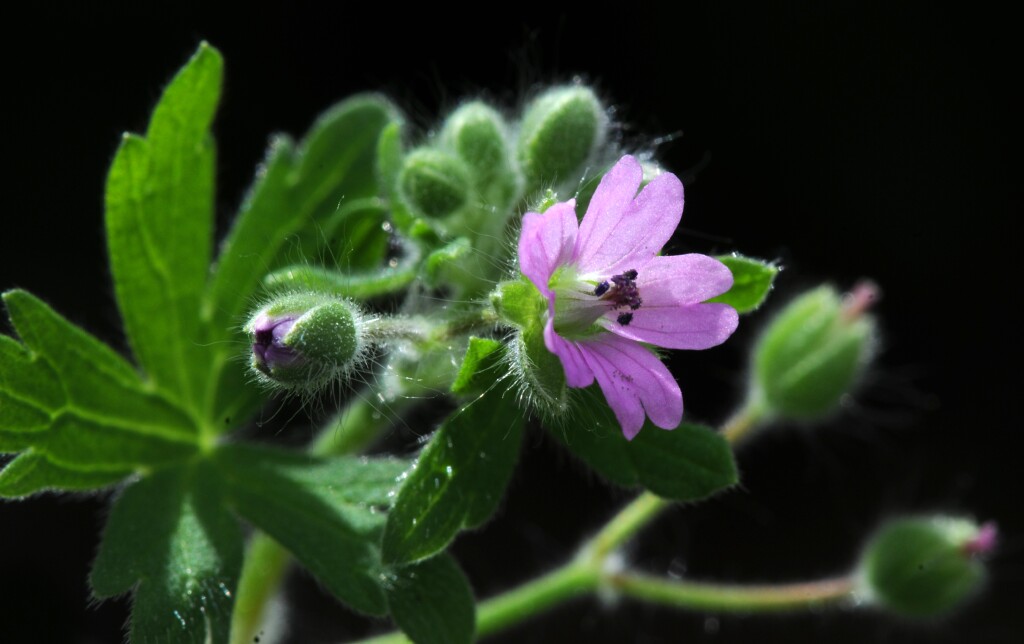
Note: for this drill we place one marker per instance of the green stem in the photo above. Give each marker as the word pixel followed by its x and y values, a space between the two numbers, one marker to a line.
pixel 732 598
pixel 536 596
pixel 743 422
pixel 262 571
pixel 641 511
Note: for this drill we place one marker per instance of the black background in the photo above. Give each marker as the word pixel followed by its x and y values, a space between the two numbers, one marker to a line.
pixel 845 141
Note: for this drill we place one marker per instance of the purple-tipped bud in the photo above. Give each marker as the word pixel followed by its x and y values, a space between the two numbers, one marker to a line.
pixel 304 340
pixel 268 349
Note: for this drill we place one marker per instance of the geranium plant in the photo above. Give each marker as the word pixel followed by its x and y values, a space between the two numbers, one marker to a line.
pixel 464 268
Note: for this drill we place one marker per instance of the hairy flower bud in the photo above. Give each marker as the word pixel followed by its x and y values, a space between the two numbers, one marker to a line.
pixel 479 136
pixel 302 341
pixel 925 566
pixel 560 131
pixel 433 183
pixel 813 353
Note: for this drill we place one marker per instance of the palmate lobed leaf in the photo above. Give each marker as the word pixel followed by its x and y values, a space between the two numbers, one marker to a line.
pixel 688 463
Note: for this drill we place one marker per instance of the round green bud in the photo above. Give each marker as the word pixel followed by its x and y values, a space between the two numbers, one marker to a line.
pixel 925 566
pixel 304 340
pixel 433 183
pixel 560 131
pixel 479 136
pixel 813 353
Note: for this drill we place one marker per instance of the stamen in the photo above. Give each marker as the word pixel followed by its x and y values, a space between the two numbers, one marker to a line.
pixel 625 318
pixel 623 293
pixel 602 288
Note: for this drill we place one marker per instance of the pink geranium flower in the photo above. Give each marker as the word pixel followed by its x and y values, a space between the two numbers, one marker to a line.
pixel 610 294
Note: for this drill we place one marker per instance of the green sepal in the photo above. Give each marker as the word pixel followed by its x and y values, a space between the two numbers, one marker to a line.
pixel 688 463
pixel 159 222
pixel 170 539
pixel 432 602
pixel 919 567
pixel 752 280
pixel 458 480
pixel 327 512
pixel 539 373
pixel 519 303
pixel 478 369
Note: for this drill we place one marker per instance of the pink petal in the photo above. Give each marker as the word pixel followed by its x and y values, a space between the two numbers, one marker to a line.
pixel 619 234
pixel 682 279
pixel 577 373
pixel 687 326
pixel 546 242
pixel 634 381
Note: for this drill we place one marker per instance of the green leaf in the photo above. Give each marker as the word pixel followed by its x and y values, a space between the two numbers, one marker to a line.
pixel 458 480
pixel 159 219
pixel 170 538
pixel 478 366
pixel 326 512
pixel 76 401
pixel 301 277
pixel 31 472
pixel 296 193
pixel 431 601
pixel 688 463
pixel 752 281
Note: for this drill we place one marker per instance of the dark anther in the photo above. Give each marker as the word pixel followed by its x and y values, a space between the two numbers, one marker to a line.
pixel 623 292
pixel 625 318
pixel 630 274
pixel 601 289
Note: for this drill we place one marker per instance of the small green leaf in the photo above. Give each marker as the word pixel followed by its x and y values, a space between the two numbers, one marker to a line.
pixel 355 285
pixel 170 538
pixel 326 512
pixel 431 601
pixel 459 479
pixel 159 219
pixel 752 281
pixel 31 472
pixel 482 357
pixel 443 257
pixel 688 463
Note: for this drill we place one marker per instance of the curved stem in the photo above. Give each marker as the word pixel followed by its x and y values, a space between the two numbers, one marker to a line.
pixel 732 598
pixel 743 422
pixel 535 597
pixel 641 511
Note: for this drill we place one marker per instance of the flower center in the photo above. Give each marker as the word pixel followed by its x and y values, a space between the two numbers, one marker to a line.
pixel 580 303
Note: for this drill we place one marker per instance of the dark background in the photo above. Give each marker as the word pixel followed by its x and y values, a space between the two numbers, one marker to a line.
pixel 845 141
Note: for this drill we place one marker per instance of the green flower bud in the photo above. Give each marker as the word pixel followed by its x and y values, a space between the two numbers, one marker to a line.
pixel 479 136
pixel 813 353
pixel 925 566
pixel 433 183
pixel 304 340
pixel 560 131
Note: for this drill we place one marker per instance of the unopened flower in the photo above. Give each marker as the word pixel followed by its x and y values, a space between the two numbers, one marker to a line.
pixel 609 293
